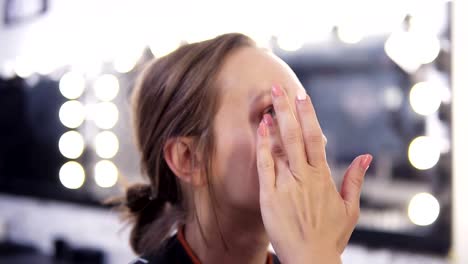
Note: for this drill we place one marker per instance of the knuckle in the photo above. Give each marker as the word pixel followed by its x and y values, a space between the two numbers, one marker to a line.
pixel 356 181
pixel 318 159
pixel 291 136
pixel 264 164
pixel 277 151
pixel 313 137
pixel 323 178
pixel 298 173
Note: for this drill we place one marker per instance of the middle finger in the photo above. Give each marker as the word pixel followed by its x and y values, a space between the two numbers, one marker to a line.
pixel 290 130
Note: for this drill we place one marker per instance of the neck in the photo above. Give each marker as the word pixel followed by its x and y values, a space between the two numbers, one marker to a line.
pixel 244 236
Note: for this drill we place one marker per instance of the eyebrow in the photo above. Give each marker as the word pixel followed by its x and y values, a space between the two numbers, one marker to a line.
pixel 263 94
pixel 259 96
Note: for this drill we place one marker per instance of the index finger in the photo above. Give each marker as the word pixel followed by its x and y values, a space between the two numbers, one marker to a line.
pixel 265 162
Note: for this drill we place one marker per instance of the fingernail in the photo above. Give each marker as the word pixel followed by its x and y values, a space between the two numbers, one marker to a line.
pixel 301 96
pixel 268 120
pixel 366 161
pixel 262 128
pixel 276 90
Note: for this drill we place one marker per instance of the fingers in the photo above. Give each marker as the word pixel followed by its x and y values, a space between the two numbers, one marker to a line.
pixel 278 154
pixel 352 183
pixel 289 128
pixel 276 146
pixel 265 163
pixel 314 139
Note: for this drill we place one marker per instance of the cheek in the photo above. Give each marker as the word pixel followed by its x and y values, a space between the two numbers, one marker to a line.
pixel 238 153
pixel 236 166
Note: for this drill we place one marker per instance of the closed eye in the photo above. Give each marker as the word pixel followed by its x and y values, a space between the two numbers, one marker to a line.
pixel 269 110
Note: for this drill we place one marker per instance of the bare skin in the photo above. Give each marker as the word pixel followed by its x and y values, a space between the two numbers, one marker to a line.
pixel 271 182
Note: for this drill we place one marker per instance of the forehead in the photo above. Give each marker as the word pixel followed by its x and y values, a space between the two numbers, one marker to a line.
pixel 250 71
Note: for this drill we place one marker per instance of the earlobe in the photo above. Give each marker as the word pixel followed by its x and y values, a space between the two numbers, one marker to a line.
pixel 179 155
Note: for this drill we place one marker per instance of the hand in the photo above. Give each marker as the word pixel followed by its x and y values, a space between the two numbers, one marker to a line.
pixel 306 218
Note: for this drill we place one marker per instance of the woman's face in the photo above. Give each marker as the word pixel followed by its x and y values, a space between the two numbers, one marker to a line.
pixel 245 81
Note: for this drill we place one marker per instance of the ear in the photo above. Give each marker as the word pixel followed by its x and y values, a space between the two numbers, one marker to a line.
pixel 179 153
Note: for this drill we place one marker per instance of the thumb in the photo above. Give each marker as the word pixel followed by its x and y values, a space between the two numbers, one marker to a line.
pixel 353 179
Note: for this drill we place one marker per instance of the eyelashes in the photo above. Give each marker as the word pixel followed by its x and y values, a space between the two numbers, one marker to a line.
pixel 269 110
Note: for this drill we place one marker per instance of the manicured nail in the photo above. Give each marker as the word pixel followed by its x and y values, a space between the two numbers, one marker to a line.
pixel 268 119
pixel 262 129
pixel 301 96
pixel 276 90
pixel 366 161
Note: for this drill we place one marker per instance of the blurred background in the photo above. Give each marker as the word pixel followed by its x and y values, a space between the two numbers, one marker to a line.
pixel 381 73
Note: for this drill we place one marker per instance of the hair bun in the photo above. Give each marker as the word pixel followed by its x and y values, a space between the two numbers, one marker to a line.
pixel 138 197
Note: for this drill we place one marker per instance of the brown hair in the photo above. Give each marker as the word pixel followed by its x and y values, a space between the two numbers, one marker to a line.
pixel 175 96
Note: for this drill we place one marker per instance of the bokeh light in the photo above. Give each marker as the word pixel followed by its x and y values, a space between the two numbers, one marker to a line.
pixel 163 46
pixel 350 34
pixel 124 64
pixel 72 85
pixel 424 152
pixel 72 175
pixel 71 144
pixel 429 47
pixel 425 98
pixel 72 114
pixel 290 42
pixel 23 67
pixel 400 48
pixel 106 144
pixel 423 209
pixel 411 49
pixel 105 115
pixel 106 87
pixel 105 174
pixel 393 97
